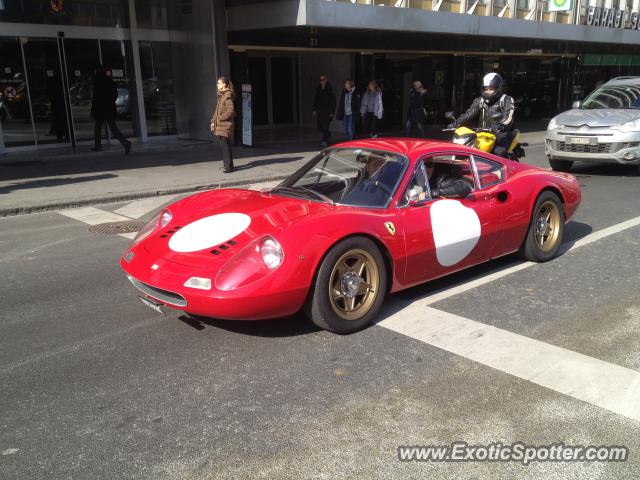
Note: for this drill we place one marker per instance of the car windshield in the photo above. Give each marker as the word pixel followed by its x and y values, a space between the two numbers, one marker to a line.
pixel 357 177
pixel 614 96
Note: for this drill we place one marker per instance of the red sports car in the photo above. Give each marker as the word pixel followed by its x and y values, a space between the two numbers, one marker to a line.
pixel 360 220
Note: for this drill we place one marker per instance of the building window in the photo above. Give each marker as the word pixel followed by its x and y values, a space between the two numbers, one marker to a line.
pixel 103 13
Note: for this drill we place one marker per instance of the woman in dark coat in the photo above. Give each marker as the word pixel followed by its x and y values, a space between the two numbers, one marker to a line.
pixel 222 120
pixel 103 109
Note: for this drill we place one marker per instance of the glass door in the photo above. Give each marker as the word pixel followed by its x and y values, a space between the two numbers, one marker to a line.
pixel 17 130
pixel 49 107
pixel 82 58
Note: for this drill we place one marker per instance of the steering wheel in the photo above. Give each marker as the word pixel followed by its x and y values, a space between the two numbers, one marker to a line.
pixel 384 188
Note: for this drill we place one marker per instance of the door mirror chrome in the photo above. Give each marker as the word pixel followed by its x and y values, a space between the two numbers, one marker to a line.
pixel 576 104
pixel 416 195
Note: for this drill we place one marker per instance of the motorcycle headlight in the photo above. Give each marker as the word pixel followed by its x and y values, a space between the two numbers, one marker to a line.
pixel 254 262
pixel 629 126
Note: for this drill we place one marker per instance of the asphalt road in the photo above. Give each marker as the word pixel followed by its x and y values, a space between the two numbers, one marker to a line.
pixel 94 385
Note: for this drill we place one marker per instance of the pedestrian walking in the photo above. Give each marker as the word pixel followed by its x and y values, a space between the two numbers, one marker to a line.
pixel 324 106
pixel 417 112
pixel 222 120
pixel 371 108
pixel 103 109
pixel 349 108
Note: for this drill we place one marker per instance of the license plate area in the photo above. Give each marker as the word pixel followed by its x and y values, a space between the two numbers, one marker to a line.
pixel 158 307
pixel 583 140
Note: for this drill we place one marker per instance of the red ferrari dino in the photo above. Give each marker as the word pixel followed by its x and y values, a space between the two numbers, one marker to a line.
pixel 362 219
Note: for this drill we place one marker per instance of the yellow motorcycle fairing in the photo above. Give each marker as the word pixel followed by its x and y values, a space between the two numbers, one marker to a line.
pixel 515 141
pixel 485 142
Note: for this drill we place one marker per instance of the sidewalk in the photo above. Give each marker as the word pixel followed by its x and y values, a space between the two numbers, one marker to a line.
pixel 56 179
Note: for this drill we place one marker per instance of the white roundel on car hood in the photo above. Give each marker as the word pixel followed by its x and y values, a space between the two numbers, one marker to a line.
pixel 456 231
pixel 209 232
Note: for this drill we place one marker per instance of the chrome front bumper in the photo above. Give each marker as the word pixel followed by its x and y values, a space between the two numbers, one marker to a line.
pixel 605 145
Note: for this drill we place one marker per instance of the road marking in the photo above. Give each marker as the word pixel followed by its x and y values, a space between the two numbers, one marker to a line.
pixel 585 378
pixel 138 208
pixel 92 215
pixel 130 235
pixel 496 275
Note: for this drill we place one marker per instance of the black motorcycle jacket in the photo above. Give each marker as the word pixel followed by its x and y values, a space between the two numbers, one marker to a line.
pixel 497 115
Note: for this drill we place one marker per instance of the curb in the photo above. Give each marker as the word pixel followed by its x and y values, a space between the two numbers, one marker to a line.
pixel 122 197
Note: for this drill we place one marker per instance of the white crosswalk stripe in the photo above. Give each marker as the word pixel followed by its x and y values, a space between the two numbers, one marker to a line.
pixel 582 377
pixel 139 208
pixel 92 215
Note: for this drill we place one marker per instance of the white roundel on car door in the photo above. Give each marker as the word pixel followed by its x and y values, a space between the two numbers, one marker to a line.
pixel 456 231
pixel 209 232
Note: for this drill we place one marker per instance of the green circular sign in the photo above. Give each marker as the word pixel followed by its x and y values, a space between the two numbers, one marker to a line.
pixel 560 3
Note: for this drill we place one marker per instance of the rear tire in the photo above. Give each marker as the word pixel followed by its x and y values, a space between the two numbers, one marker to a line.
pixel 546 229
pixel 560 165
pixel 349 287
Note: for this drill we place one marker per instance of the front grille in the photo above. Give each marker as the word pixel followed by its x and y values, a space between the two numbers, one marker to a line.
pixel 158 293
pixel 599 148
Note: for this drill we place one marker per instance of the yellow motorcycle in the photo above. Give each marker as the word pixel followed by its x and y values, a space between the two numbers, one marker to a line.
pixel 484 139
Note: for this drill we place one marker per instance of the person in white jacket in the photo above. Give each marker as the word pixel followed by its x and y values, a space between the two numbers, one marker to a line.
pixel 371 108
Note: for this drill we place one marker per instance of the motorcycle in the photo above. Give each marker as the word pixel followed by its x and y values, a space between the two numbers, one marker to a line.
pixel 484 139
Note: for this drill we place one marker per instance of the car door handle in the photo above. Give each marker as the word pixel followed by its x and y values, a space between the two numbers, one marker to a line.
pixel 501 196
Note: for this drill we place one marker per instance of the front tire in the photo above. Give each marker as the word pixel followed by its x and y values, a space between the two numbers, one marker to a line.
pixel 546 229
pixel 349 287
pixel 560 165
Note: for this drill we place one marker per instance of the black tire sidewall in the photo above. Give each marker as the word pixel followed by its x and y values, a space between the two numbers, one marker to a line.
pixel 531 250
pixel 319 306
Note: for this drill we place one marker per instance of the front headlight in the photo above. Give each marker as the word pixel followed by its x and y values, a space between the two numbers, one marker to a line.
pixel 161 220
pixel 165 218
pixel 554 125
pixel 272 253
pixel 629 126
pixel 254 262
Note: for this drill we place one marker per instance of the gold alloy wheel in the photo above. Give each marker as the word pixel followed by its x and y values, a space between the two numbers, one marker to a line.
pixel 547 226
pixel 353 284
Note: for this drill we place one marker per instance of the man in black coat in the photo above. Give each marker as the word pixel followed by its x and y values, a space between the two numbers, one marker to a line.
pixel 349 108
pixel 324 106
pixel 103 109
pixel 417 112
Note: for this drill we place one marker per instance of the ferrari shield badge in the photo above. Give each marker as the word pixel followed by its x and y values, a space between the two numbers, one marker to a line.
pixel 391 227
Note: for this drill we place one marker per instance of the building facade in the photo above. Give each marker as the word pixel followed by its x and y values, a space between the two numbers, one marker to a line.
pixel 164 56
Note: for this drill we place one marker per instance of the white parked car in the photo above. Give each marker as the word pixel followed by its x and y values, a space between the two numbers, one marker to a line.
pixel 603 128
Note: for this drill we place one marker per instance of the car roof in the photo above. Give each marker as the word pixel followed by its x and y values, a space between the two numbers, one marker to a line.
pixel 410 147
pixel 624 81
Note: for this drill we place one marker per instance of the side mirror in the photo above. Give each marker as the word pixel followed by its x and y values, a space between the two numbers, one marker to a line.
pixel 449 116
pixel 576 104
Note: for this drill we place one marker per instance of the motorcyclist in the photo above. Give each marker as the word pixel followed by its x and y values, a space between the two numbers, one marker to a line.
pixel 494 110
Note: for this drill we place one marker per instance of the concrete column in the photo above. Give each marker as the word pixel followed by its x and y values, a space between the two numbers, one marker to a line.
pixel 201 57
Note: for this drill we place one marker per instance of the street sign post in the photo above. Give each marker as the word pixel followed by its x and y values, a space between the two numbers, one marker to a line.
pixel 247 123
